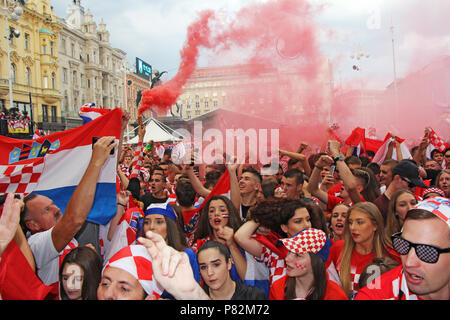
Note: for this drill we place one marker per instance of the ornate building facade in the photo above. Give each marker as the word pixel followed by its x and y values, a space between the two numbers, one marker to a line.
pixel 34 65
pixel 90 69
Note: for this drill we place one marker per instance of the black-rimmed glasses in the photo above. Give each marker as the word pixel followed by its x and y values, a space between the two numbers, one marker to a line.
pixel 424 252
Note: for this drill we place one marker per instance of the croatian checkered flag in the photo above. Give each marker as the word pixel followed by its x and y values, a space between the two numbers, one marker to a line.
pixel 437 141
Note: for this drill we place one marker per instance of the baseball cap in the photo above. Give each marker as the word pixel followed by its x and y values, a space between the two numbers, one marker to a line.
pixel 410 171
pixel 309 240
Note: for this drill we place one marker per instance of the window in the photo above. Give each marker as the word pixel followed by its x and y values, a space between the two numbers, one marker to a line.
pixel 44 49
pixel 44 113
pixel 206 104
pixel 27 42
pixel 74 78
pixel 89 83
pixel 65 75
pixel 53 80
pixel 51 48
pixel 28 75
pixel 82 80
pixel 53 113
pixel 72 50
pixel 13 72
pixel 215 104
pixel 197 105
pixel 63 45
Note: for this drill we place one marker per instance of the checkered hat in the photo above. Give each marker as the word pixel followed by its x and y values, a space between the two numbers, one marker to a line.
pixel 433 190
pixel 135 260
pixel 309 240
pixel 439 206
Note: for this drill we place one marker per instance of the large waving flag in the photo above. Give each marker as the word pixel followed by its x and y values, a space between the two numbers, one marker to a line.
pixel 380 155
pixel 53 165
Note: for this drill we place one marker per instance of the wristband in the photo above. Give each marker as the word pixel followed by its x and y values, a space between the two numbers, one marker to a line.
pixel 339 158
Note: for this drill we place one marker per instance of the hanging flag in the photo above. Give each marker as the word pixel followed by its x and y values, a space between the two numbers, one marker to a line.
pixel 89 112
pixel 54 165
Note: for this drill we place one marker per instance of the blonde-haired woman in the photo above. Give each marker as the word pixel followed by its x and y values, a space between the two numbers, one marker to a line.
pixel 364 240
pixel 400 203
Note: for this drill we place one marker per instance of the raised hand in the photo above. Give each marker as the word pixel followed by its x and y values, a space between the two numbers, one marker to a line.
pixel 9 221
pixel 172 269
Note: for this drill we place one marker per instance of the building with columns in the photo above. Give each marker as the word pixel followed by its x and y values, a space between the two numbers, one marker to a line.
pixel 91 70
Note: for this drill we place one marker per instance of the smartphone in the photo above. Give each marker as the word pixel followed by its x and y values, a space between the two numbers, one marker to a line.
pixel 332 169
pixel 95 139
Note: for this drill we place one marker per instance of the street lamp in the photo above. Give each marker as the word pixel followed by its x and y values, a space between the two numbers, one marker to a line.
pixel 11 6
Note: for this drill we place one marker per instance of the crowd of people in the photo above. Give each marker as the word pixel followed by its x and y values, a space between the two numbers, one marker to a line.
pixel 330 226
pixel 14 114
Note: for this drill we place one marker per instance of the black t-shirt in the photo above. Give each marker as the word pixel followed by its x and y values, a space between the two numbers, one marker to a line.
pixel 244 292
pixel 148 199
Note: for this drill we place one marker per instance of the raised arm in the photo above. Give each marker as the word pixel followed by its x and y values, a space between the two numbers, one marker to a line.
pixel 348 179
pixel 300 157
pixel 243 237
pixel 83 197
pixel 313 185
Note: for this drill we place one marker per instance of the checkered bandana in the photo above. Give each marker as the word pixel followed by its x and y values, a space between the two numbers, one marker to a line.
pixel 309 240
pixel 439 206
pixel 135 260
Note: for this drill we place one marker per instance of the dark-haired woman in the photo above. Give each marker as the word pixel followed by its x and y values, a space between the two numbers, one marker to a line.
pixel 306 277
pixel 80 274
pixel 215 265
pixel 218 221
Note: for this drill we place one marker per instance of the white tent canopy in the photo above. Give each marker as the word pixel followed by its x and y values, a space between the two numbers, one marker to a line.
pixel 158 132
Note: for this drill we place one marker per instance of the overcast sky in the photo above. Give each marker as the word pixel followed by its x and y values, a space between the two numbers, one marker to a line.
pixel 155 31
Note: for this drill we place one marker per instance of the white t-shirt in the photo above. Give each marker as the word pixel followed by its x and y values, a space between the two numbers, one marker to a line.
pixel 46 256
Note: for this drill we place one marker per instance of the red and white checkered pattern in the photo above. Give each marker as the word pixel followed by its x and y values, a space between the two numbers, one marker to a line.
pixel 20 178
pixel 135 260
pixel 436 141
pixel 309 240
pixel 439 206
pixel 137 161
pixel 276 264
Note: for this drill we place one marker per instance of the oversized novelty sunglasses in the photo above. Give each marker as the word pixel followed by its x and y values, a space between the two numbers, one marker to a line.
pixel 424 252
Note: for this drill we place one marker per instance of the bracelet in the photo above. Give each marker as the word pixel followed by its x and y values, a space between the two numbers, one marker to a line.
pixel 121 204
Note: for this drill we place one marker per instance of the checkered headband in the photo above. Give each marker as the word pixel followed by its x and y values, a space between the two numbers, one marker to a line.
pixel 433 190
pixel 309 240
pixel 135 260
pixel 439 206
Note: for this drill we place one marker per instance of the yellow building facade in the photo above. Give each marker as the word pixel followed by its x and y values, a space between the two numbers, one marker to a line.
pixel 34 64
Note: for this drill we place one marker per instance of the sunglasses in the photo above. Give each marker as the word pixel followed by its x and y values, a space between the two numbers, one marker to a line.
pixel 410 184
pixel 424 252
